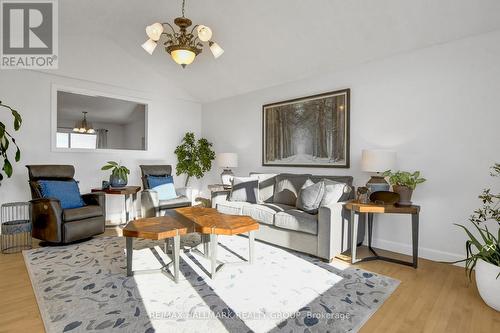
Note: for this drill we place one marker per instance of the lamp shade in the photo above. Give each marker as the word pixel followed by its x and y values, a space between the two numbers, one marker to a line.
pixel 216 49
pixel 154 31
pixel 204 33
pixel 377 160
pixel 149 46
pixel 183 57
pixel 227 160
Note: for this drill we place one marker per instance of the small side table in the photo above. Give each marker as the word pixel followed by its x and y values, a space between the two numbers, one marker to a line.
pixel 15 227
pixel 369 209
pixel 127 191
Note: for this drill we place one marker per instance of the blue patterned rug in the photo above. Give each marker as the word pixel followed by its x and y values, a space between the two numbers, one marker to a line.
pixel 83 288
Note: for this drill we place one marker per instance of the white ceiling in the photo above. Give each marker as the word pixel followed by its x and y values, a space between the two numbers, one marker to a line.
pixel 270 42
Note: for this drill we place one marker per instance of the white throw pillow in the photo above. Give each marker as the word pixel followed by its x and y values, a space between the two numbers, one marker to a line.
pixel 334 192
pixel 244 189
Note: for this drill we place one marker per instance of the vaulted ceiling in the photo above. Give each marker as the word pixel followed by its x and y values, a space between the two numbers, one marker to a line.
pixel 268 42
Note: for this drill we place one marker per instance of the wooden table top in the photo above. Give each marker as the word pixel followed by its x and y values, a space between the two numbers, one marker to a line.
pixel 186 220
pixel 377 208
pixel 118 190
pixel 210 221
pixel 157 228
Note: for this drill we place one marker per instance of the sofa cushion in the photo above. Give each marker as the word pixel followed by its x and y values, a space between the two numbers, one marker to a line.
pixel 266 185
pixel 297 220
pixel 231 207
pixel 287 187
pixel 81 213
pixel 244 189
pixel 180 201
pixel 335 192
pixel 310 196
pixel 264 213
pixel 66 191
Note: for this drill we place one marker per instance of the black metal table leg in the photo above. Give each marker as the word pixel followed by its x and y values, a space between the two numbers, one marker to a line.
pixel 414 238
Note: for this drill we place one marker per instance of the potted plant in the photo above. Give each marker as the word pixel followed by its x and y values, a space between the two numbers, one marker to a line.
pixel 194 157
pixel 483 253
pixel 119 174
pixel 404 183
pixel 6 139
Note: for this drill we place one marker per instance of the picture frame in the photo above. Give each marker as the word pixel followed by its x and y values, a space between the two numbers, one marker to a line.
pixel 312 131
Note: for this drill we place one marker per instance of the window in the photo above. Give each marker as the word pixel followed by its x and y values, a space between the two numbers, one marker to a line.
pixel 85 141
pixel 62 140
pixel 76 140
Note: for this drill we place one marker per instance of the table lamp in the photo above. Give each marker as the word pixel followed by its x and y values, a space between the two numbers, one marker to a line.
pixel 377 161
pixel 227 161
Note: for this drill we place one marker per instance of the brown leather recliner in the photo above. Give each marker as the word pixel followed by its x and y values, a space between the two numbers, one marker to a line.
pixel 53 224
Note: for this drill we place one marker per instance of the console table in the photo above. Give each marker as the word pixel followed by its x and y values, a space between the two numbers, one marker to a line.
pixel 126 191
pixel 357 208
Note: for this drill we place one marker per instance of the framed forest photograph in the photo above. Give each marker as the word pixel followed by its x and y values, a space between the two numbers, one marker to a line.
pixel 307 132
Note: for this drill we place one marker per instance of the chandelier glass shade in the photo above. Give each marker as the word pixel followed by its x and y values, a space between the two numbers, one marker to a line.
pixel 183 46
pixel 83 126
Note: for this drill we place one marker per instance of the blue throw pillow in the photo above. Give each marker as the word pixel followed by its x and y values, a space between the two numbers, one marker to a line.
pixel 66 191
pixel 154 181
pixel 165 191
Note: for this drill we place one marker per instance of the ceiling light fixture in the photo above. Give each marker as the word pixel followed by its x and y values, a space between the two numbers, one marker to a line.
pixel 84 126
pixel 182 46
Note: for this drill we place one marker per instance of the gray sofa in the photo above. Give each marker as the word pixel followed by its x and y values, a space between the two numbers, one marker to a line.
pixel 324 234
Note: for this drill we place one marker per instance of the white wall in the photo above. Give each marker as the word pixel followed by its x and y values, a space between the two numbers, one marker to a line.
pixel 30 93
pixel 437 107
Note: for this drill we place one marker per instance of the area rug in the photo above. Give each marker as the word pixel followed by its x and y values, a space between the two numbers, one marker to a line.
pixel 84 287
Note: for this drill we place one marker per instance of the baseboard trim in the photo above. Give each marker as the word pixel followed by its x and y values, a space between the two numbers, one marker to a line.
pixel 423 252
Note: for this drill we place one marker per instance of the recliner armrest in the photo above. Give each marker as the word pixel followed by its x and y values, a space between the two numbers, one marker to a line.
pixel 95 198
pixel 149 203
pixel 46 216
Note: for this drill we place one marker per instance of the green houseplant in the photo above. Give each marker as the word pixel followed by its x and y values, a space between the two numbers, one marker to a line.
pixel 404 183
pixel 194 157
pixel 483 252
pixel 119 174
pixel 6 139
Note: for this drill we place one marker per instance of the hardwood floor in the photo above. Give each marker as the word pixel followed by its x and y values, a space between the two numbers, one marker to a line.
pixel 433 298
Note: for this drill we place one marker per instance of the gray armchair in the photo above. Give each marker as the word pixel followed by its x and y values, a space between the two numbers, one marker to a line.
pixel 150 204
pixel 53 224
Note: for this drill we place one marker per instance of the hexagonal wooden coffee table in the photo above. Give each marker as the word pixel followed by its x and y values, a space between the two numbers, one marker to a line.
pixel 176 222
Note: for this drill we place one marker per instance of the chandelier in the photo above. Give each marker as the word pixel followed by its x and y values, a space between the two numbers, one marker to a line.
pixel 84 126
pixel 183 46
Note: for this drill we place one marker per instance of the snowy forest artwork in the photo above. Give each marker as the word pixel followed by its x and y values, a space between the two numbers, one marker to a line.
pixel 311 131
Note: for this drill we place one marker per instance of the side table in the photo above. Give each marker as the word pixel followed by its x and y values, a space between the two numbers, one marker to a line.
pixel 369 209
pixel 126 191
pixel 15 227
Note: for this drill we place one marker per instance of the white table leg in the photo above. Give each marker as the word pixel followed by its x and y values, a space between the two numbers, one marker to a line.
pixel 127 208
pixel 176 251
pixel 251 246
pixel 213 255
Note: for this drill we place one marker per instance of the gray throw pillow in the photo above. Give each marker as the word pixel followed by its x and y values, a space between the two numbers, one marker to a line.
pixel 335 192
pixel 287 188
pixel 310 196
pixel 244 189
